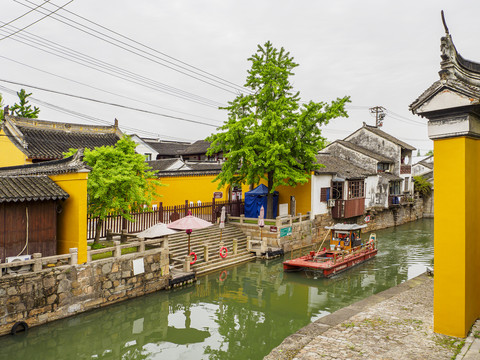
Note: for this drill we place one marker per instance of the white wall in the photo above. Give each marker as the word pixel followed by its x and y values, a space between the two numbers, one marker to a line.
pixel 318 182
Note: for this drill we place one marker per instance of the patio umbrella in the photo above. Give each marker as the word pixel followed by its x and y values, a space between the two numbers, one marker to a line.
pixel 261 222
pixel 222 222
pixel 157 230
pixel 189 223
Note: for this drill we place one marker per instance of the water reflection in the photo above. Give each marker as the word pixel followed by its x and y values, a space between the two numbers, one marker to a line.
pixel 238 314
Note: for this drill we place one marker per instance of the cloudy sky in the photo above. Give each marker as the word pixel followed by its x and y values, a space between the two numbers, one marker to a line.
pixel 179 60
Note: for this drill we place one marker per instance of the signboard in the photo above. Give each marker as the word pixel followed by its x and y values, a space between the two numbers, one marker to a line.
pixel 218 195
pixel 283 209
pixel 273 229
pixel 286 231
pixel 367 218
pixel 138 266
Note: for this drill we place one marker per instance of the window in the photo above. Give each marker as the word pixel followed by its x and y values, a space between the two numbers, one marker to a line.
pixel 395 188
pixel 337 190
pixel 148 157
pixel 324 194
pixel 382 167
pixel 356 189
pixel 407 181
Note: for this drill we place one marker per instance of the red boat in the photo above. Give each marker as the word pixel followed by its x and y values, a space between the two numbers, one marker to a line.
pixel 346 250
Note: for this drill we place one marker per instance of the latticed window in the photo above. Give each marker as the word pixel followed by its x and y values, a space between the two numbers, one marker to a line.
pixel 356 189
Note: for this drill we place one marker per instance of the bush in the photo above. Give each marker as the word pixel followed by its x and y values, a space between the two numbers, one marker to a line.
pixel 422 186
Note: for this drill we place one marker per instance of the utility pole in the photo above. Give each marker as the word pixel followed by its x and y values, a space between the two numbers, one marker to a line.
pixel 379 112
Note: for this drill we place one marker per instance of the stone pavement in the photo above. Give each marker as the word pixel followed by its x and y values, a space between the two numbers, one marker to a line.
pixel 394 324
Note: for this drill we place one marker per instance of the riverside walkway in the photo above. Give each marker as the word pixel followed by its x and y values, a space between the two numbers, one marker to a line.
pixel 394 324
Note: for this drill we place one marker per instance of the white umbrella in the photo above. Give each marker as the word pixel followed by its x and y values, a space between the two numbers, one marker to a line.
pixel 157 230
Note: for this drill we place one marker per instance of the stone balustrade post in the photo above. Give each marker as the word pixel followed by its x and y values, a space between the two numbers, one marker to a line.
pixel 300 217
pixel 205 253
pixel 117 252
pixel 263 246
pixel 123 236
pixel 37 265
pixel 278 222
pixel 89 254
pixel 242 218
pixel 235 246
pixel 109 236
pixel 141 248
pixel 290 220
pixel 73 256
pixel 249 245
pixel 186 263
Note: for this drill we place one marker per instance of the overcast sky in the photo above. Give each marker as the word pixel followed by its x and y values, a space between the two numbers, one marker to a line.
pixel 381 53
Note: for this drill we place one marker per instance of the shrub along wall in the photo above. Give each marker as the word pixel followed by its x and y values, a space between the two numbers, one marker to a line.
pixel 51 294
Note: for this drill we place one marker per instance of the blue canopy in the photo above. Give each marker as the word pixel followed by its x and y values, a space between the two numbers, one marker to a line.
pixel 257 197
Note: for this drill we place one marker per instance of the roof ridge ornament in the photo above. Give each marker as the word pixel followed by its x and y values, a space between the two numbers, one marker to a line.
pixel 445 23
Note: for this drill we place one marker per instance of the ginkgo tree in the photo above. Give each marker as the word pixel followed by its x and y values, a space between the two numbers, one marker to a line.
pixel 270 134
pixel 120 181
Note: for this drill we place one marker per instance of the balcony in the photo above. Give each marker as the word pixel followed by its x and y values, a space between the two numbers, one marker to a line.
pixel 397 200
pixel 345 209
pixel 405 169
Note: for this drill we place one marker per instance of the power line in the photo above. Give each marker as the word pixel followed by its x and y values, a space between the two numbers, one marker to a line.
pixel 154 50
pixel 19 17
pixel 103 90
pixel 111 104
pixel 36 9
pixel 123 47
pixel 90 118
pixel 125 74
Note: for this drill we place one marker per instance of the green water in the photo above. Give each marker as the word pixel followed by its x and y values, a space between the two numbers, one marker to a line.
pixel 244 316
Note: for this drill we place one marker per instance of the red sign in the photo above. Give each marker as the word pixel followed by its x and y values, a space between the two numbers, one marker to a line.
pixel 218 195
pixel 273 229
pixel 367 218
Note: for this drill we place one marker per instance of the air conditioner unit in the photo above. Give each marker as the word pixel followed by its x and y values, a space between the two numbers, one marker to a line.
pixel 18 269
pixel 331 202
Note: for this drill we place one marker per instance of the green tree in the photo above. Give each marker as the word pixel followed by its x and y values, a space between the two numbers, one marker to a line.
pixel 422 186
pixel 120 181
pixel 1 108
pixel 23 109
pixel 430 152
pixel 269 134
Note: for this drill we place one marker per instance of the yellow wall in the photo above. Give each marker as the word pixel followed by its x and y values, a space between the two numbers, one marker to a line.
pixel 72 221
pixel 457 248
pixel 302 195
pixel 10 154
pixel 191 188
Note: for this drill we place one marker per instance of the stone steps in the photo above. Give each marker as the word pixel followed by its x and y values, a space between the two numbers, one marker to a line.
pixel 210 236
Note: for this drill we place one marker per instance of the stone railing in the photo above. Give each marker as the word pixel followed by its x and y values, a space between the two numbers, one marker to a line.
pixel 285 232
pixel 38 263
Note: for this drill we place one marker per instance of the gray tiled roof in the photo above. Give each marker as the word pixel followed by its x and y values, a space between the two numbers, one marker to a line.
pixel 389 137
pixel 162 164
pixel 337 166
pixel 29 188
pixel 71 164
pixel 47 140
pixel 167 148
pixel 198 147
pixel 204 165
pixel 364 151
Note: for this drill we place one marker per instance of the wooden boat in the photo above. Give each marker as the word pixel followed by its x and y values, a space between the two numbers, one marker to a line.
pixel 346 250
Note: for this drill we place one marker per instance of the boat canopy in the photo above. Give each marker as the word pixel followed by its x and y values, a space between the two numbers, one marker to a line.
pixel 346 227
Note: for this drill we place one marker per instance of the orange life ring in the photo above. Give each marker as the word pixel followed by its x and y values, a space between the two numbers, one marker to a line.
pixel 223 252
pixel 222 277
pixel 194 258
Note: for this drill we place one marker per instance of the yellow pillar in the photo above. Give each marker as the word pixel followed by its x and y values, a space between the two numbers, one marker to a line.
pixel 457 235
pixel 72 221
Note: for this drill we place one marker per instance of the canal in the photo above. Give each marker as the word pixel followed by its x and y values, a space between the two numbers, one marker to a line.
pixel 242 313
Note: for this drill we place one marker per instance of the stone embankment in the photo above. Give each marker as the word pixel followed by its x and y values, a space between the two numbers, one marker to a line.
pixel 394 324
pixel 54 293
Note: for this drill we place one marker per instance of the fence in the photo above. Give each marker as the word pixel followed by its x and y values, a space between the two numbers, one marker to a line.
pixel 209 211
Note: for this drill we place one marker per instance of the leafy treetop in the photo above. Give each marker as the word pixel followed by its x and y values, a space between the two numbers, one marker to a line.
pixel 120 180
pixel 22 109
pixel 269 134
